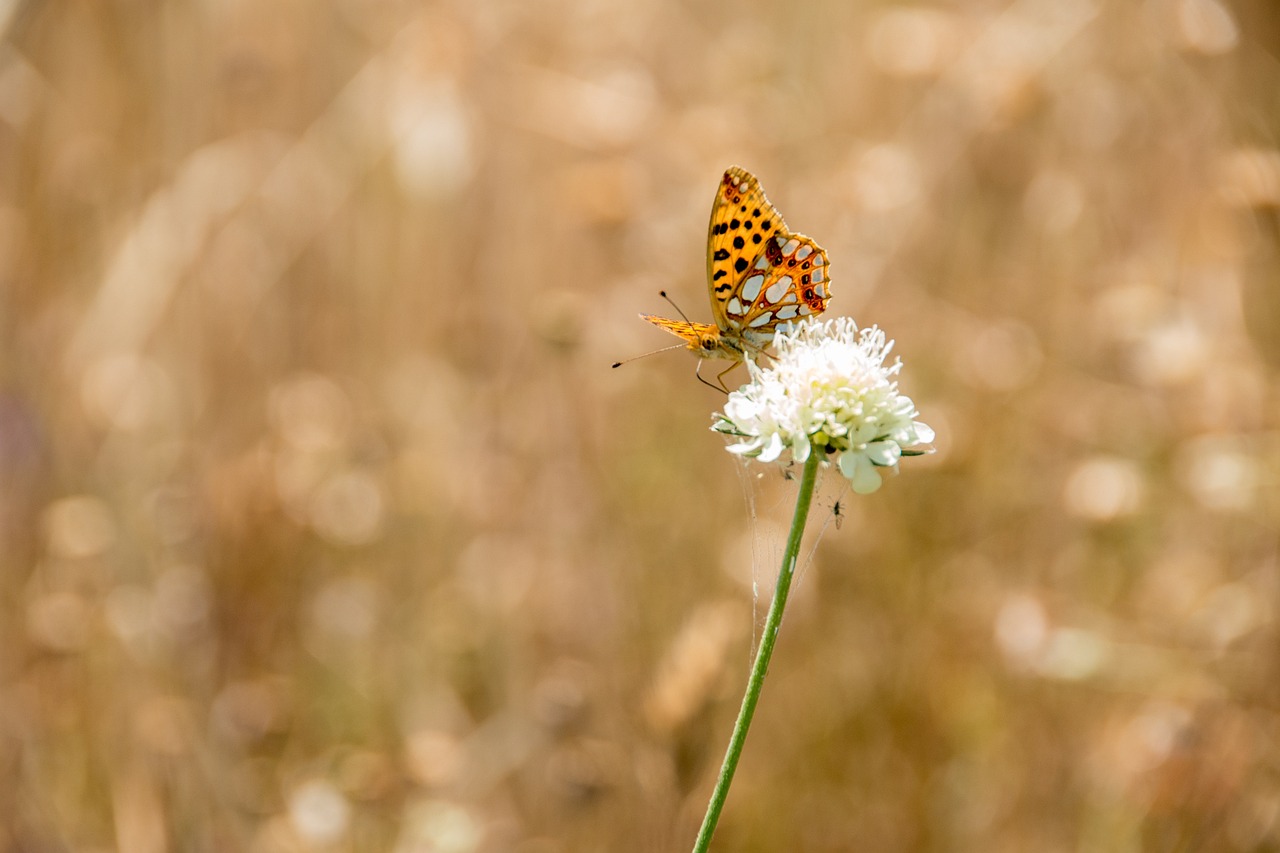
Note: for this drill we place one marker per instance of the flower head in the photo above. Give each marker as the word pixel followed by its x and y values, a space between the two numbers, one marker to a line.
pixel 829 390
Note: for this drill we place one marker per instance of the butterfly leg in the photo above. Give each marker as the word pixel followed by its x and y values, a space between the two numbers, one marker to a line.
pixel 720 377
pixel 698 373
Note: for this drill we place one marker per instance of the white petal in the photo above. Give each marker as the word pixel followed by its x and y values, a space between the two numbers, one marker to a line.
pixel 772 449
pixel 924 432
pixel 849 465
pixel 866 481
pixel 884 453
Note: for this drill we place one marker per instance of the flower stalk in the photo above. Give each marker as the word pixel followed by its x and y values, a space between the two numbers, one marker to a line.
pixel 761 666
pixel 831 395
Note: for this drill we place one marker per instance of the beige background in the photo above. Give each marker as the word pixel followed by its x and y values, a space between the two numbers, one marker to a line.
pixel 326 525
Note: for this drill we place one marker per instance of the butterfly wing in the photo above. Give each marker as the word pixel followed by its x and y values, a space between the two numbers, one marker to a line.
pixel 697 335
pixel 741 220
pixel 760 275
pixel 691 332
pixel 788 281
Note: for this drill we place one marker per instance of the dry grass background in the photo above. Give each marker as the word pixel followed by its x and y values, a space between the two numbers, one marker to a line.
pixel 326 525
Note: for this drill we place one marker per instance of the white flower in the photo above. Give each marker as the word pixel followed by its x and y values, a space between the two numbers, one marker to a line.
pixel 828 389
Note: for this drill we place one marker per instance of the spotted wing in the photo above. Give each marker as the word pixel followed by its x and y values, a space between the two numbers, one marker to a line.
pixel 788 281
pixel 742 219
pixel 760 275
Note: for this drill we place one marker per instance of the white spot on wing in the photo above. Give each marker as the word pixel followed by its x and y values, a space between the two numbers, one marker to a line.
pixel 786 312
pixel 817 276
pixel 778 290
pixel 790 246
pixel 761 320
pixel 763 263
pixel 734 306
pixel 751 288
pixel 805 251
pixel 818 261
pixel 805 309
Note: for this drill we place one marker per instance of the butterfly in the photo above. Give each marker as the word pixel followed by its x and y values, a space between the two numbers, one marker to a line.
pixel 761 277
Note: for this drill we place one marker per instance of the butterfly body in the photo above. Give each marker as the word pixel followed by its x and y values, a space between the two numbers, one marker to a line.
pixel 704 338
pixel 761 277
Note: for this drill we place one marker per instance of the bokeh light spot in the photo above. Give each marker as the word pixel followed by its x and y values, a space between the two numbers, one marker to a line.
pixel 1207 26
pixel 1021 629
pixel 887 177
pixel 60 621
pixel 349 508
pixel 311 413
pixel 912 42
pixel 319 812
pixel 1104 488
pixel 1218 472
pixel 79 526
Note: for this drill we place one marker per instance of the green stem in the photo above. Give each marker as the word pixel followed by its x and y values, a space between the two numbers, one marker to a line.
pixel 761 666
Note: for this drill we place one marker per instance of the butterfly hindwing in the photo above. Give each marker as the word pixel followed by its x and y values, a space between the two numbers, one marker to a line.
pixel 786 282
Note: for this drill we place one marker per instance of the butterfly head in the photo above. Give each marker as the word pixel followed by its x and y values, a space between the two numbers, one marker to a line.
pixel 706 342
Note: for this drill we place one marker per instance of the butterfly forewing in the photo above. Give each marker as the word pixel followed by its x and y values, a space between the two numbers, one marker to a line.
pixel 742 220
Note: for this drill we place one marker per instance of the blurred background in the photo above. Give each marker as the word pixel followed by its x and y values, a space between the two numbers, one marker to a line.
pixel 326 526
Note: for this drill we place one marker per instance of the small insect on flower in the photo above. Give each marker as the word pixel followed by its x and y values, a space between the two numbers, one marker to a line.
pixel 830 391
pixel 837 515
pixel 761 277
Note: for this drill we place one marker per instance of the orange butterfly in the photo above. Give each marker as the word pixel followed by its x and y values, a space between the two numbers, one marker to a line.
pixel 760 275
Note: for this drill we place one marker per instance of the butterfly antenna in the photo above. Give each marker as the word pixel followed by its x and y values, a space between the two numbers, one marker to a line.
pixel 683 315
pixel 647 354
